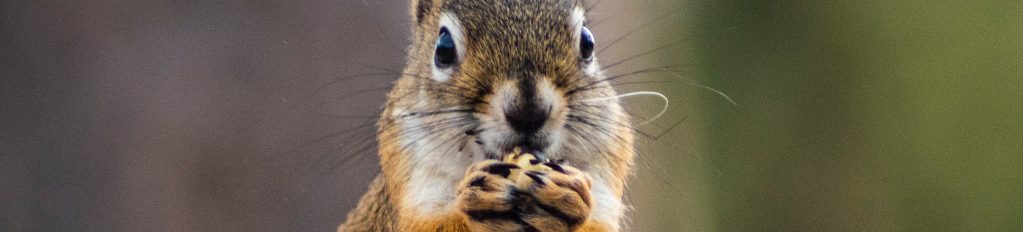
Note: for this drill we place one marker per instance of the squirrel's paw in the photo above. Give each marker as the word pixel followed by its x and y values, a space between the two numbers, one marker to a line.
pixel 489 200
pixel 560 197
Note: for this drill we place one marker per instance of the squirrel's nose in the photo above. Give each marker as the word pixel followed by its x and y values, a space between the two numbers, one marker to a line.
pixel 526 120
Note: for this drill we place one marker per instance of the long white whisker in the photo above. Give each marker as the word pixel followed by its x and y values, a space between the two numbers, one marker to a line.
pixel 691 82
pixel 638 93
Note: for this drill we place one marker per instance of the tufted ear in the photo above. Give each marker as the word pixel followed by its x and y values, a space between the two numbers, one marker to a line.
pixel 422 8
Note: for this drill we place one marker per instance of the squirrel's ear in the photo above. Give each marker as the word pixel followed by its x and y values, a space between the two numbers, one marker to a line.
pixel 422 8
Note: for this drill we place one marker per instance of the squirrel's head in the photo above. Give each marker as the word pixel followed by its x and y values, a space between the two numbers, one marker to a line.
pixel 485 77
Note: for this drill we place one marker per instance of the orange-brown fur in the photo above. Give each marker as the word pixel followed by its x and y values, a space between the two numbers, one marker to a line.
pixel 489 62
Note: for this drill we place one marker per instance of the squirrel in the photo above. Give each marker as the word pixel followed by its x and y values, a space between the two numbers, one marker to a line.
pixel 488 78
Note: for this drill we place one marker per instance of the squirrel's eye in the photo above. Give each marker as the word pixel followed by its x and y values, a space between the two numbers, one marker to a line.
pixel 445 52
pixel 586 44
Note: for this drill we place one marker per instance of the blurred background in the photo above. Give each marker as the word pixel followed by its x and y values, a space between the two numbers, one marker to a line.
pixel 783 116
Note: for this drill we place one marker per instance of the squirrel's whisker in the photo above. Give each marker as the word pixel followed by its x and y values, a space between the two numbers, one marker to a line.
pixel 638 93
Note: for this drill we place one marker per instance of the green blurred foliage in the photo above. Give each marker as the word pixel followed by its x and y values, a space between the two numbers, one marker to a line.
pixel 851 116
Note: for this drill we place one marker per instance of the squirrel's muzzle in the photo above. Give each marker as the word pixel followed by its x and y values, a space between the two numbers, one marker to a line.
pixel 527 119
pixel 528 108
pixel 529 112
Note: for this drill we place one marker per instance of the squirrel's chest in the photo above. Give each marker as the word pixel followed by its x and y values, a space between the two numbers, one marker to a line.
pixel 433 184
pixel 435 169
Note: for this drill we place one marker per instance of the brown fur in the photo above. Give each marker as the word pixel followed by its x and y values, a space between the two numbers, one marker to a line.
pixel 504 39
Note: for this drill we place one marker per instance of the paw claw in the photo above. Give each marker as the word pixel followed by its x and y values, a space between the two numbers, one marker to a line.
pixel 478 181
pixel 501 169
pixel 556 167
pixel 537 178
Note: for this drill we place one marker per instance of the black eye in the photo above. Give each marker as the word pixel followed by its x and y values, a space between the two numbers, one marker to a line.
pixel 586 44
pixel 445 52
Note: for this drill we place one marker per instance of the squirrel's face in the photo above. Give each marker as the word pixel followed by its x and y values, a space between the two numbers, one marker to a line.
pixel 508 74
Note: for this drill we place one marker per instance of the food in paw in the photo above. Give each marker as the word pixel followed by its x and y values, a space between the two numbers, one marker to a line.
pixel 526 162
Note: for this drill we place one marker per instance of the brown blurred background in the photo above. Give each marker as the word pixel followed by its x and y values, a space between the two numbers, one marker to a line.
pixel 257 115
pixel 190 115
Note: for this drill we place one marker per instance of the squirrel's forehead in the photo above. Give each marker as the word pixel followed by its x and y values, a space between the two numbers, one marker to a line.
pixel 479 5
pixel 474 14
pixel 548 20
